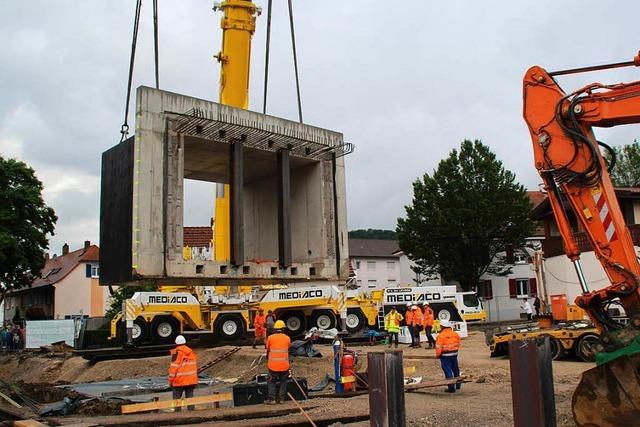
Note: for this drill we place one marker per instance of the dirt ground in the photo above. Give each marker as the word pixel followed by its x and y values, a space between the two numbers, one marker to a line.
pixel 485 401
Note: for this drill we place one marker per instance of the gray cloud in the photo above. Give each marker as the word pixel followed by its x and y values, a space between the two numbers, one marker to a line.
pixel 406 83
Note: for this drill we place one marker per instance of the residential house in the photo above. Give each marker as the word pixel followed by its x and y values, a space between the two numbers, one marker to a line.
pixel 197 243
pixel 503 296
pixel 559 273
pixel 375 262
pixel 68 286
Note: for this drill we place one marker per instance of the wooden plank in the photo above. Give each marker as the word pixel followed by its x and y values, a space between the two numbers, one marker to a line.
pixel 184 417
pixel 10 400
pixel 298 419
pixel 437 383
pixel 28 423
pixel 177 403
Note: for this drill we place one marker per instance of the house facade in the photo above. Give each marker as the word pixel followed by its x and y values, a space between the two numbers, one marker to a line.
pixel 375 263
pixel 68 287
pixel 559 277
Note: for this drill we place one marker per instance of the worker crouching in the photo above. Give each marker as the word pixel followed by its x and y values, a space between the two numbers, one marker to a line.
pixel 183 372
pixel 447 346
pixel 278 364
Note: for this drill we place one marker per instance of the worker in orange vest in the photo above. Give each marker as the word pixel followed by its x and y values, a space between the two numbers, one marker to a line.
pixel 278 345
pixel 447 346
pixel 183 372
pixel 416 324
pixel 408 314
pixel 259 324
pixel 427 322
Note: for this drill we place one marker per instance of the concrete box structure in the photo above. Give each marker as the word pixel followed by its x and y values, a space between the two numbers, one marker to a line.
pixel 288 209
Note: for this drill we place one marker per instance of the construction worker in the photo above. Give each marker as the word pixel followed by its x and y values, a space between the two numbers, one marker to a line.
pixel 408 314
pixel 392 325
pixel 259 323
pixel 270 321
pixel 447 346
pixel 183 372
pixel 427 322
pixel 278 364
pixel 416 324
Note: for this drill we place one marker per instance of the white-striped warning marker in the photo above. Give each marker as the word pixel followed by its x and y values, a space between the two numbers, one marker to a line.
pixel 605 216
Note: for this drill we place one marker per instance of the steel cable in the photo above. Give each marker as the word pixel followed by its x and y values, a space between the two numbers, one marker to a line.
pixel 124 130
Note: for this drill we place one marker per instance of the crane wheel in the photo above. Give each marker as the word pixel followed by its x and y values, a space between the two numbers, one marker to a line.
pixel 557 350
pixel 587 347
pixel 355 320
pixel 164 329
pixel 295 322
pixel 323 319
pixel 230 327
pixel 140 331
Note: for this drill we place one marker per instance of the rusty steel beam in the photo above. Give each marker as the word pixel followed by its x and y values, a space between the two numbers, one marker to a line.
pixel 532 383
pixel 386 389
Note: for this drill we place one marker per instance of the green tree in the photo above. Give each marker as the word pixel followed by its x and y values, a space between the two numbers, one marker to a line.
pixel 463 217
pixel 122 293
pixel 373 233
pixel 25 221
pixel 626 171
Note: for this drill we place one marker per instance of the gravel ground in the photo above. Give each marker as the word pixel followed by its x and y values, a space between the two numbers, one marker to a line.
pixel 485 401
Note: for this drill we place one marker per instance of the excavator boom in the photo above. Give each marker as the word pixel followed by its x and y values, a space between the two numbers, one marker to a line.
pixel 568 157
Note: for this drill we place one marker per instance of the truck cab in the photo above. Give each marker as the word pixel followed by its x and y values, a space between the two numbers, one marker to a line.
pixel 470 307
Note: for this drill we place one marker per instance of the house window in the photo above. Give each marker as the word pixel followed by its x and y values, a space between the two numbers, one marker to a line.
pixel 372 284
pixel 359 283
pixel 357 265
pixel 391 266
pixel 523 288
pixel 392 283
pixel 95 271
pixel 519 257
pixel 371 265
pixel 485 289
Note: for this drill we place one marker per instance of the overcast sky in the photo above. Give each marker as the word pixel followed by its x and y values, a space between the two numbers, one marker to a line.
pixel 404 82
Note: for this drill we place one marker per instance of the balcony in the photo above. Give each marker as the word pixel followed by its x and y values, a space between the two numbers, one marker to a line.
pixel 553 246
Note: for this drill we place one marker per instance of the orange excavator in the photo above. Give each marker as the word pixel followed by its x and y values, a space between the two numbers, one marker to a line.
pixel 576 177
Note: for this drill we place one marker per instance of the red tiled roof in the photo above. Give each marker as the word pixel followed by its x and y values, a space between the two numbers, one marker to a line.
pixel 56 269
pixel 536 197
pixel 378 248
pixel 198 237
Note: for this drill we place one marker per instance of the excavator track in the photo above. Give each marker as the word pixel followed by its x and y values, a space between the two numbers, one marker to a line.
pixel 609 394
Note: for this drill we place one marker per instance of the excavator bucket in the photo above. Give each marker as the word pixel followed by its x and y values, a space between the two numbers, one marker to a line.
pixel 609 394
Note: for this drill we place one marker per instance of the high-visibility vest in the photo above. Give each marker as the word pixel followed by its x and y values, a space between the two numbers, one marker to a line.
pixel 259 321
pixel 184 367
pixel 392 322
pixel 416 317
pixel 428 317
pixel 278 350
pixel 447 343
pixel 408 317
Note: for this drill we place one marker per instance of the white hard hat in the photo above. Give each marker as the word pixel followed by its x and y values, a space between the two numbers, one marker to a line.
pixel 445 324
pixel 409 304
pixel 414 307
pixel 180 340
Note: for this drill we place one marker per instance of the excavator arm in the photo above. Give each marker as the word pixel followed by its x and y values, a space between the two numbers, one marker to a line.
pixel 569 160
pixel 568 157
